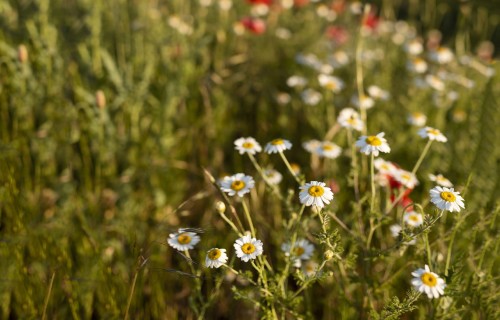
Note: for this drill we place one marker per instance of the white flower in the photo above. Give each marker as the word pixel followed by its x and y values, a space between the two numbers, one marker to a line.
pixel 248 248
pixel 447 199
pixel 406 178
pixel 339 59
pixel 435 82
pixel 417 65
pixel 413 219
pixel 414 47
pixel 215 258
pixel 330 82
pixel 349 118
pixel 366 102
pixel 278 145
pixel 282 98
pixel 432 134
pixel 428 282
pixel 442 55
pixel 378 93
pixel 312 146
pixel 183 240
pixel 247 145
pixel 441 180
pixel 296 81
pixel 302 250
pixel 237 184
pixel 310 268
pixel 311 97
pixel 329 150
pixel 385 167
pixel 417 119
pixel 315 193
pixel 373 144
pixel 273 176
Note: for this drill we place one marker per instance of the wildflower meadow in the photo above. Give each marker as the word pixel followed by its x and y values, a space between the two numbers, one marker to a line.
pixel 249 159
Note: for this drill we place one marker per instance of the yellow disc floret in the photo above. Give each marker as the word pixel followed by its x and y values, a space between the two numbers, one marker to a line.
pixel 248 248
pixel 277 142
pixel 373 141
pixel 429 279
pixel 184 238
pixel 214 254
pixel 237 185
pixel 298 251
pixel 316 191
pixel 448 196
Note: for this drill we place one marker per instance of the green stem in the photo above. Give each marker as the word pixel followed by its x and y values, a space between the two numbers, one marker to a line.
pixel 131 294
pixel 428 249
pixel 47 297
pixel 289 167
pixel 249 218
pixel 413 172
pixel 372 181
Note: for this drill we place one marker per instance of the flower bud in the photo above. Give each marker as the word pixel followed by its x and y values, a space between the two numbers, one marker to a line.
pixel 328 254
pixel 220 207
pixel 22 53
pixel 100 99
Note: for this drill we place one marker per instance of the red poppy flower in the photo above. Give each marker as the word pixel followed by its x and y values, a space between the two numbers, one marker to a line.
pixel 254 25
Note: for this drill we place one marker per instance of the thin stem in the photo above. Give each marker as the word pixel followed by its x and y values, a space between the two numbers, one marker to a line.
pixel 264 177
pixel 372 181
pixel 249 218
pixel 413 172
pixel 450 246
pixel 230 223
pixel 47 297
pixel 290 167
pixel 359 71
pixel 428 249
pixel 131 294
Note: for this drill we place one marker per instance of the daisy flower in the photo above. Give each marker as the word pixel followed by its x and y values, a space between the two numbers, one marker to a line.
pixel 312 145
pixel 183 240
pixel 215 258
pixel 296 81
pixel 441 180
pixel 435 82
pixel 417 119
pixel 373 144
pixel 248 248
pixel 315 193
pixel 310 268
pixel 278 145
pixel 417 65
pixel 378 93
pixel 302 250
pixel 432 134
pixel 247 145
pixel 349 118
pixel 273 176
pixel 428 282
pixel 329 150
pixel 311 97
pixel 237 184
pixel 447 199
pixel 413 219
pixel 366 102
pixel 406 178
pixel 330 83
pixel 384 167
pixel 414 47
pixel 442 55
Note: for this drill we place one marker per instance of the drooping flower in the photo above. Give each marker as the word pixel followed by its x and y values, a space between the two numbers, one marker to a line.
pixel 447 199
pixel 248 248
pixel 278 145
pixel 373 144
pixel 183 240
pixel 428 282
pixel 247 145
pixel 215 258
pixel 432 134
pixel 238 184
pixel 315 194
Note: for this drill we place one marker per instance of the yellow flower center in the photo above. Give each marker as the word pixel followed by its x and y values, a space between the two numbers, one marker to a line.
pixel 331 85
pixel 414 218
pixel 248 248
pixel 237 185
pixel 316 191
pixel 373 141
pixel 351 120
pixel 418 61
pixel 247 145
pixel 298 251
pixel 448 196
pixel 433 132
pixel 184 238
pixel 214 254
pixel 277 142
pixel 429 279
pixel 327 147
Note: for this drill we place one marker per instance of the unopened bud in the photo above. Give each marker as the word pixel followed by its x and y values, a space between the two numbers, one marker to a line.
pixel 100 99
pixel 22 53
pixel 220 207
pixel 328 254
